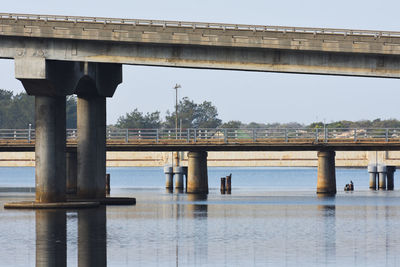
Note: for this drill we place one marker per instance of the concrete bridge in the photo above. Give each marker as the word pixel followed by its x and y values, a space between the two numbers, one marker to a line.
pixel 57 56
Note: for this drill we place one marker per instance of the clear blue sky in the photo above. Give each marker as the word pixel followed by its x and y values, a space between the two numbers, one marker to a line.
pixel 245 96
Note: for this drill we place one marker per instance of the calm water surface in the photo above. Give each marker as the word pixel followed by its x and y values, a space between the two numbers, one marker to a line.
pixel 272 218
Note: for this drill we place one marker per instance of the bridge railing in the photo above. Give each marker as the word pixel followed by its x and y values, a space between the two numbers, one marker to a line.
pixel 200 25
pixel 226 135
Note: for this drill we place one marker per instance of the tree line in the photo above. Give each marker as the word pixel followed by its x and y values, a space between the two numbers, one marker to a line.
pixel 17 112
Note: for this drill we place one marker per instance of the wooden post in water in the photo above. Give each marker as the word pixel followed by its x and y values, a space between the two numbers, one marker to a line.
pixel 108 188
pixel 228 183
pixel 223 188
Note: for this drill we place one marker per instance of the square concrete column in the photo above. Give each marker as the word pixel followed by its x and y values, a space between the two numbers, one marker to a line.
pixel 50 117
pixel 326 178
pixel 91 146
pixel 197 181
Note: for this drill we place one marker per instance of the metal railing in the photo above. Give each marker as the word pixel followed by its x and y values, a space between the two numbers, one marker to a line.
pixel 199 25
pixel 226 135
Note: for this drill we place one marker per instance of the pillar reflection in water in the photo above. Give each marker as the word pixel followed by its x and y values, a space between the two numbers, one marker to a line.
pixel 51 238
pixel 92 237
pixel 327 235
pixel 198 210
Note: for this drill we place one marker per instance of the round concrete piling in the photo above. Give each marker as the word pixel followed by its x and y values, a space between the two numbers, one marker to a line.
pixel 372 169
pixel 50 170
pixel 382 170
pixel 72 172
pixel 326 177
pixel 390 177
pixel 91 147
pixel 197 173
pixel 178 173
pixel 169 177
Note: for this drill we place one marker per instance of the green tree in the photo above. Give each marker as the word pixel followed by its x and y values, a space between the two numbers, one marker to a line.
pixel 138 120
pixel 192 115
pixel 232 124
pixel 71 112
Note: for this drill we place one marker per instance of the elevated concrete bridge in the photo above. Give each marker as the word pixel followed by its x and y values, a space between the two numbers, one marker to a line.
pixel 57 56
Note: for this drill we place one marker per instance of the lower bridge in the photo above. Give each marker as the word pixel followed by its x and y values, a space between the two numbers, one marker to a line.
pixel 198 142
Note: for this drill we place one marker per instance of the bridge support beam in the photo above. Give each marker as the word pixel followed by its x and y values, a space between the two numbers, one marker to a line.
pixel 326 178
pixel 197 181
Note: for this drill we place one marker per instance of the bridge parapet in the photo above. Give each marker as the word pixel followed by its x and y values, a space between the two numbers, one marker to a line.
pixel 226 138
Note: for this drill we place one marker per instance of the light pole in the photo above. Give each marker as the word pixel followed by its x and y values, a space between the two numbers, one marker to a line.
pixel 176 121
pixel 176 108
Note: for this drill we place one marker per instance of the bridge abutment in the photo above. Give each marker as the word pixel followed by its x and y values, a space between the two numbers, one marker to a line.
pixel 197 180
pixel 326 177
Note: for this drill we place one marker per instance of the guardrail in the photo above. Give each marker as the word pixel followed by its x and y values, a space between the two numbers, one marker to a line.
pixel 228 135
pixel 199 25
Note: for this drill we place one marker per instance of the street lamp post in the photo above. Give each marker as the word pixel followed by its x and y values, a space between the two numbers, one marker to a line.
pixel 176 109
pixel 176 121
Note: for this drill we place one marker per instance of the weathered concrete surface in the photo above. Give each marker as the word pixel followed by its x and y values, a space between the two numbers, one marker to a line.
pixel 197 180
pixel 98 81
pixel 326 177
pixel 72 172
pixel 91 147
pixel 50 159
pixel 314 51
pixel 225 159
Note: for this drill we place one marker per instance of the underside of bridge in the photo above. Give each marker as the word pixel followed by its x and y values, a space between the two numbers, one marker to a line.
pixel 59 56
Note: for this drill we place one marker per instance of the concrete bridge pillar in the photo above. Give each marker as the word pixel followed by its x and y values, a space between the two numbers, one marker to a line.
pixel 390 177
pixel 98 82
pixel 49 82
pixel 326 179
pixel 372 176
pixel 382 177
pixel 72 172
pixel 197 180
pixel 50 118
pixel 178 173
pixel 91 146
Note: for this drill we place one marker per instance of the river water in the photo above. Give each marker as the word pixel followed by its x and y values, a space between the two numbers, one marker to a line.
pixel 272 218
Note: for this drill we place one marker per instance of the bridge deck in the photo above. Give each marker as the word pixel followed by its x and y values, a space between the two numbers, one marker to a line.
pixel 218 145
pixel 201 45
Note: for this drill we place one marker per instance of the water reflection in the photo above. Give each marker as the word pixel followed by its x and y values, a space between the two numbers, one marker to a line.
pixel 51 238
pixel 92 237
pixel 327 235
pixel 197 207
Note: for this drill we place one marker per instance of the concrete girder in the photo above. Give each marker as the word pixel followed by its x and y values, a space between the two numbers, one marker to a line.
pixel 207 57
pixel 51 77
